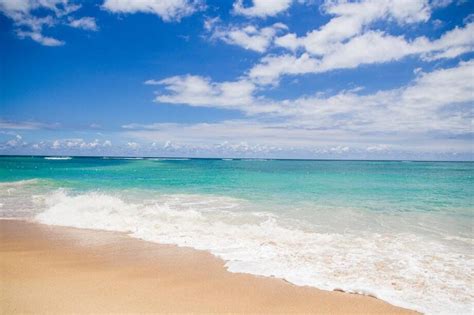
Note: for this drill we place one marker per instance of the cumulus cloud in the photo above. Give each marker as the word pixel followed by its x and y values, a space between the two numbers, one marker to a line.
pixel 223 135
pixel 271 67
pixel 71 146
pixel 378 148
pixel 351 38
pixel 31 17
pixel 261 8
pixel 436 104
pixel 451 44
pixel 201 91
pixel 339 149
pixel 75 143
pixel 133 145
pixel 168 10
pixel 438 101
pixel 248 37
pixel 352 18
pixel 171 146
pixel 257 138
pixel 16 141
pixel 368 48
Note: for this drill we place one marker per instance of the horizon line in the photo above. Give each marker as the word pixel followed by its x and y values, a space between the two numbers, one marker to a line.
pixel 234 158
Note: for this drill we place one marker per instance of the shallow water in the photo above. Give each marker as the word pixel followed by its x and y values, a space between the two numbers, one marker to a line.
pixel 401 231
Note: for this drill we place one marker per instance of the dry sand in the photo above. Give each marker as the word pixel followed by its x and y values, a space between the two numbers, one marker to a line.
pixel 62 270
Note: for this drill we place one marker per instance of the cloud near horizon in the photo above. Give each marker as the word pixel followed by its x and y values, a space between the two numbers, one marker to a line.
pixel 435 102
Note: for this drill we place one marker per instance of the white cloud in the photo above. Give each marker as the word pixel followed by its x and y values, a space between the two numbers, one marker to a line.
pixel 85 23
pixel 440 3
pixel 349 40
pixel 256 138
pixel 368 48
pixel 56 144
pixel 133 145
pixel 378 148
pixel 76 144
pixel 16 6
pixel 261 8
pixel 352 18
pixel 431 115
pixel 436 102
pixel 271 67
pixel 61 146
pixel 451 44
pixel 170 146
pixel 248 37
pixel 107 143
pixel 40 38
pixel 168 10
pixel 226 134
pixel 201 91
pixel 24 125
pixel 15 142
pixel 441 87
pixel 288 41
pixel 339 149
pixel 30 23
pixel 431 112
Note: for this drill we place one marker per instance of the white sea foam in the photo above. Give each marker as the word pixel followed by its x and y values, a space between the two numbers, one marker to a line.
pixel 255 160
pixel 19 183
pixel 121 158
pixel 405 269
pixel 57 158
pixel 168 159
pixel 17 197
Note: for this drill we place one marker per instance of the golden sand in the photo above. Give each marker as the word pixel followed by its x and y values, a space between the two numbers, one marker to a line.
pixel 62 270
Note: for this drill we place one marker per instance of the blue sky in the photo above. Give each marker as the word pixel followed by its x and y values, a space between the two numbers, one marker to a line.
pixel 370 79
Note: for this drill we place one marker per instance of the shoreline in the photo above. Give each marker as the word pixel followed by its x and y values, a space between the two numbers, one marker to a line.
pixel 57 269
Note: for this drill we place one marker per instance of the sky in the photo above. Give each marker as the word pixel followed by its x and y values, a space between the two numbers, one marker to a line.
pixel 313 79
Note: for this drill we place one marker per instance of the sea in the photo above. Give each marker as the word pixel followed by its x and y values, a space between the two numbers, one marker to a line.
pixel 401 231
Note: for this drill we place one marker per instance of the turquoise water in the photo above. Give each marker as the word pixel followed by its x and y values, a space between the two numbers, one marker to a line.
pixel 378 186
pixel 306 221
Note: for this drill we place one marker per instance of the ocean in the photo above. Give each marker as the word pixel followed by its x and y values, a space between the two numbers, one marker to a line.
pixel 401 231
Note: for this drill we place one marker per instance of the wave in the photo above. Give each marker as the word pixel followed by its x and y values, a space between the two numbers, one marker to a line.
pixel 255 160
pixel 17 197
pixel 57 158
pixel 168 159
pixel 142 158
pixel 121 158
pixel 19 183
pixel 405 269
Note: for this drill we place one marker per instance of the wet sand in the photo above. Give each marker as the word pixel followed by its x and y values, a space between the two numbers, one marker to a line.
pixel 48 269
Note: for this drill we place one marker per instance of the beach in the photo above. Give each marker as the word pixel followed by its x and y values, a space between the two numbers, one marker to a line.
pixel 216 235
pixel 241 156
pixel 63 270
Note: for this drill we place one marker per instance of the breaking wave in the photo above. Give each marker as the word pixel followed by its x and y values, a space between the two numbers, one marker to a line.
pixel 405 269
